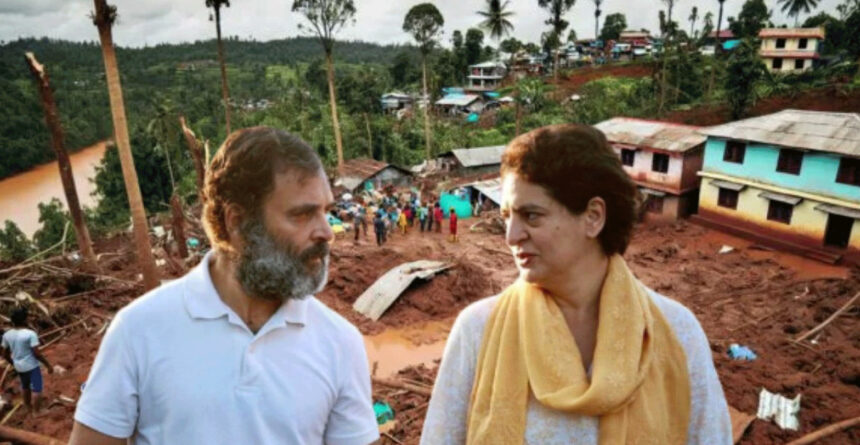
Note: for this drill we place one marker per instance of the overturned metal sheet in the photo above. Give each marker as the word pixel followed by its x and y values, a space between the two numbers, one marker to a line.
pixel 382 293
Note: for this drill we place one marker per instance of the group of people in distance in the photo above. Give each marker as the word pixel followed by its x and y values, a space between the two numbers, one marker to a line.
pixel 391 215
pixel 239 351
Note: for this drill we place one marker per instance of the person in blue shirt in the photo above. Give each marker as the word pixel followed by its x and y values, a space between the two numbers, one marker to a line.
pixel 21 350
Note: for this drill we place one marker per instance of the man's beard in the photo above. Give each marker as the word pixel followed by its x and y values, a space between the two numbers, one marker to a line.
pixel 272 270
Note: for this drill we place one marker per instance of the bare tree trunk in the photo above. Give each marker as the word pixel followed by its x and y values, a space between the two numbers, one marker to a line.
pixel 177 225
pixel 427 142
pixel 196 156
pixel 369 136
pixel 717 50
pixel 333 102
pixel 52 119
pixel 555 67
pixel 225 92
pixel 103 19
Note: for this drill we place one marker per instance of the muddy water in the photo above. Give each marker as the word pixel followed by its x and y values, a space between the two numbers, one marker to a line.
pixel 21 194
pixel 395 349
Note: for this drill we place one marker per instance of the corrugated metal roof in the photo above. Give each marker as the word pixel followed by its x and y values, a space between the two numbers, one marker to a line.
pixel 476 157
pixel 810 130
pixel 727 185
pixel 460 100
pixel 651 134
pixel 839 210
pixel 792 32
pixel 491 188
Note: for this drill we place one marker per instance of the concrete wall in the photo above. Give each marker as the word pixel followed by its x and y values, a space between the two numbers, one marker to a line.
pixel 787 64
pixel 807 225
pixel 791 44
pixel 642 173
pixel 817 173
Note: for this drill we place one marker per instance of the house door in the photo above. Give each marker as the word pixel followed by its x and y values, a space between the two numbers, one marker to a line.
pixel 838 231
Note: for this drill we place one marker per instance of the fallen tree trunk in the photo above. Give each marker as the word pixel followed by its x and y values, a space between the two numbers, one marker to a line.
pixel 826 431
pixel 27 437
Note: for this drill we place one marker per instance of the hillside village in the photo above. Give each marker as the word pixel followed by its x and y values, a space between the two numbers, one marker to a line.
pixel 742 137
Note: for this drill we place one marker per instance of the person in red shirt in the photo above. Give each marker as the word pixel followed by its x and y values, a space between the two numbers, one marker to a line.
pixel 438 216
pixel 453 224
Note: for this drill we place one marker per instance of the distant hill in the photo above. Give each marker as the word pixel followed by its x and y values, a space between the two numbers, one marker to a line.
pixel 185 72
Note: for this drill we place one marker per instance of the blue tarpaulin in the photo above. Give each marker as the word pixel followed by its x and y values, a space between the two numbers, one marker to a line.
pixel 473 117
pixel 731 44
pixel 461 205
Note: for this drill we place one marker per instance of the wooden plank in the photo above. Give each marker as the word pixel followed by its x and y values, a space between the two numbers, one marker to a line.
pixel 382 294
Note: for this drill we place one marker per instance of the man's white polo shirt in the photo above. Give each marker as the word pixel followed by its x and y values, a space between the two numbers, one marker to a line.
pixel 179 367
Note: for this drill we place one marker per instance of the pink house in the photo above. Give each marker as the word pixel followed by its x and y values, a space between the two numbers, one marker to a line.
pixel 663 159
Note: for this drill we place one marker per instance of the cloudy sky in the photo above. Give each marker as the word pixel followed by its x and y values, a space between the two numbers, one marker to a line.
pixel 149 22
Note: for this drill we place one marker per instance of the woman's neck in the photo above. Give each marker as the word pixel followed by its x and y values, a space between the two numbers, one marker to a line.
pixel 580 290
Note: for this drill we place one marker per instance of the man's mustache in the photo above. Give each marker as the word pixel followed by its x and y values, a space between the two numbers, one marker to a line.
pixel 319 250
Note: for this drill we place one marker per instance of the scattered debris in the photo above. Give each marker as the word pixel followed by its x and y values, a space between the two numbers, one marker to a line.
pixel 782 410
pixel 740 352
pixel 726 249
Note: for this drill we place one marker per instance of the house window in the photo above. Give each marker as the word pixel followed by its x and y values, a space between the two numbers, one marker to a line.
pixel 789 161
pixel 802 44
pixel 777 63
pixel 849 171
pixel 627 157
pixel 735 151
pixel 654 204
pixel 780 43
pixel 779 211
pixel 728 198
pixel 798 64
pixel 660 163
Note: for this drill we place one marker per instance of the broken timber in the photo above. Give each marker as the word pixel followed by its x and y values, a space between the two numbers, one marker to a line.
pixel 381 294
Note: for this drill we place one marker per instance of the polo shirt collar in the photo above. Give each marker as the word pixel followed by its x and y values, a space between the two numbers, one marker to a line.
pixel 203 302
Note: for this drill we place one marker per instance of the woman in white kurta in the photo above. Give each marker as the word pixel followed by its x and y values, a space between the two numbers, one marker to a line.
pixel 576 351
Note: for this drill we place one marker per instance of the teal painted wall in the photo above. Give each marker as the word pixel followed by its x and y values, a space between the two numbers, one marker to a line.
pixel 817 173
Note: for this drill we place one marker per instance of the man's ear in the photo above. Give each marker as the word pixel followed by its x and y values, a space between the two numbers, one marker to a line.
pixel 595 217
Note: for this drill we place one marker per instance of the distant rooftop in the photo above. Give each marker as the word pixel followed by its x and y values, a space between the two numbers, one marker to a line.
pixel 477 157
pixel 792 32
pixel 811 130
pixel 651 134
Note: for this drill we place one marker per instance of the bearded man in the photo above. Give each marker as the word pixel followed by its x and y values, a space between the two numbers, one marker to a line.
pixel 238 351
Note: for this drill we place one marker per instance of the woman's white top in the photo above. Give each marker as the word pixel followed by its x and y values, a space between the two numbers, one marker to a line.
pixel 449 405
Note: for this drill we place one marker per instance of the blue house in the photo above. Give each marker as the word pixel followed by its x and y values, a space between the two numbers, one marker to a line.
pixel 790 180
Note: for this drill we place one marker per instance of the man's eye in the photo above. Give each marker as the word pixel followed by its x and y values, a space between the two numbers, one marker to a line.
pixel 531 216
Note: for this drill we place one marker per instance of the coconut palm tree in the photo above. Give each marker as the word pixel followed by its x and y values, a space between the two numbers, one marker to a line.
pixel 496 19
pixel 52 119
pixel 104 18
pixel 557 9
pixel 719 29
pixel 794 7
pixel 327 17
pixel 225 91
pixel 424 22
pixel 597 12
pixel 694 15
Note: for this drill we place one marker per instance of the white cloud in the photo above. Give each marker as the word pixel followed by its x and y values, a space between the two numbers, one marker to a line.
pixel 149 22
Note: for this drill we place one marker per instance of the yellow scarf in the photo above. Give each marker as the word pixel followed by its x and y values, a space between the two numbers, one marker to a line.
pixel 639 387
